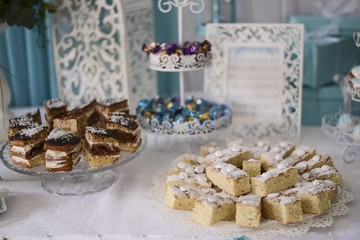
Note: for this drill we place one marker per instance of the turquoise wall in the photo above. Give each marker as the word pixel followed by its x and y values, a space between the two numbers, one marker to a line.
pixel 166 31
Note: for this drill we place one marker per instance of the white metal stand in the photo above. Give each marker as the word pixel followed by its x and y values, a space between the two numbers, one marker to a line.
pixel 196 6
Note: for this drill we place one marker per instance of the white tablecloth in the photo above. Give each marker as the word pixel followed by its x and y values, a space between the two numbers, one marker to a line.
pixel 124 211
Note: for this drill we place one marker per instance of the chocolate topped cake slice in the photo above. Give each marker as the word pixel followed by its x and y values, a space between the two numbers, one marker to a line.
pixel 89 107
pixel 72 121
pixel 107 106
pixel 27 146
pixel 63 150
pixel 100 147
pixel 125 128
pixel 123 123
pixel 53 107
pixel 18 123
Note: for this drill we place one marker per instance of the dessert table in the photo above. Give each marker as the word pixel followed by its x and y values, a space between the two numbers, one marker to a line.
pixel 124 211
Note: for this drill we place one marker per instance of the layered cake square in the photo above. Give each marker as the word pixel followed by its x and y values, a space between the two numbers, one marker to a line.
pixel 53 107
pixel 27 146
pixel 72 121
pixel 100 147
pixel 125 128
pixel 63 150
pixel 25 121
pixel 107 106
pixel 89 107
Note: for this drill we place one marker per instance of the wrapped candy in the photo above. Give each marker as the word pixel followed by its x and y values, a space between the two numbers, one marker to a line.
pixel 169 110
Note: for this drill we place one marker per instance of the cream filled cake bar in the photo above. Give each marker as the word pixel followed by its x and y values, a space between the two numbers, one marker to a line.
pixel 27 146
pixel 183 197
pixel 276 154
pixel 100 147
pixel 124 123
pixel 234 155
pixel 125 128
pixel 274 180
pixel 211 209
pixel 252 167
pixel 314 197
pixel 285 209
pixel 229 178
pixel 53 107
pixel 63 150
pixel 89 107
pixel 324 173
pixel 248 211
pixel 73 121
pixel 107 106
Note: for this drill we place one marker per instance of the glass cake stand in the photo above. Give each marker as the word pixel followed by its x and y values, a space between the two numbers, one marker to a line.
pixel 81 180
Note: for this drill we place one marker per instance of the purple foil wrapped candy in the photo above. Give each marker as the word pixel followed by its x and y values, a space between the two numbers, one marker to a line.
pixel 156 49
pixel 171 48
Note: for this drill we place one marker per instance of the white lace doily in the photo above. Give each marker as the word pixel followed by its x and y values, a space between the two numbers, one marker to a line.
pixel 268 228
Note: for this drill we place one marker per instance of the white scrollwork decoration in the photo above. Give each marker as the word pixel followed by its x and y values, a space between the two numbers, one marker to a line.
pixel 196 6
pixel 178 63
pixel 89 50
pixel 185 128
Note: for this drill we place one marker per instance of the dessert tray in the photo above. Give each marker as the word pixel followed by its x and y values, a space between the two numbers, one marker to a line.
pixel 81 180
pixel 268 228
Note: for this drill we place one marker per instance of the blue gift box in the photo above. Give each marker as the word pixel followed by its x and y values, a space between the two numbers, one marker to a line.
pixel 347 25
pixel 326 56
pixel 318 102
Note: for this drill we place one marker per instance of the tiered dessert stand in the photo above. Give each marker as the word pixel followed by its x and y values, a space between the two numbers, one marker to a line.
pixel 181 63
pixel 331 124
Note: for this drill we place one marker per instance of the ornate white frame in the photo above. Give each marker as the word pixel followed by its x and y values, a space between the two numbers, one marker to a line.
pixel 97 50
pixel 290 36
